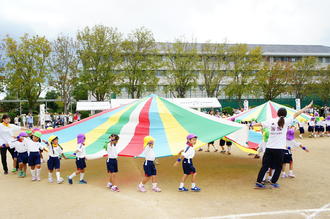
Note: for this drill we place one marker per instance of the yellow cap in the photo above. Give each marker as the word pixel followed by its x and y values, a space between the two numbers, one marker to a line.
pixel 51 138
pixel 147 139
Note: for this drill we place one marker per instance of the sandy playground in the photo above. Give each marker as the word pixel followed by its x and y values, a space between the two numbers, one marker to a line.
pixel 226 181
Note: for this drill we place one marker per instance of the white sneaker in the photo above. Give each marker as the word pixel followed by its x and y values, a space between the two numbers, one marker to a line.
pixel 284 175
pixel 292 175
pixel 34 178
pixel 109 185
pixel 50 180
pixel 141 188
pixel 61 180
pixel 38 178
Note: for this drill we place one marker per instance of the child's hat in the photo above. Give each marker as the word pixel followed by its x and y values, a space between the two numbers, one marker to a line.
pixel 28 132
pixel 37 134
pixel 52 138
pixel 190 136
pixel 81 138
pixel 147 139
pixel 328 118
pixel 23 134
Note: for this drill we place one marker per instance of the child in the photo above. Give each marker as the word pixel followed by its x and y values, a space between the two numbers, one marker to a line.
pixel 262 145
pixel 55 152
pixel 208 147
pixel 22 154
pixel 34 148
pixel 301 129
pixel 149 165
pixel 222 143
pixel 80 160
pixel 111 163
pixel 188 168
pixel 311 127
pixel 327 124
pixel 290 143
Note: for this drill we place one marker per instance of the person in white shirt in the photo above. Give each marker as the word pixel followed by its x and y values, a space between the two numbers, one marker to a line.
pixel 80 160
pixel 22 154
pixel 34 148
pixel 188 167
pixel 7 132
pixel 149 165
pixel 112 163
pixel 275 146
pixel 327 125
pixel 311 127
pixel 301 129
pixel 55 152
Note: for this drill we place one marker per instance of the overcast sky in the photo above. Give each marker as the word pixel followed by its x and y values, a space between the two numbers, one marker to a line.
pixel 243 21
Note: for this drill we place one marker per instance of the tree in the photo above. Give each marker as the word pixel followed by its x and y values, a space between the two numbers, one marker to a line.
pixel 64 67
pixel 272 79
pixel 182 65
pixel 303 73
pixel 243 63
pixel 212 67
pixel 52 95
pixel 322 87
pixel 2 67
pixel 27 67
pixel 99 51
pixel 140 62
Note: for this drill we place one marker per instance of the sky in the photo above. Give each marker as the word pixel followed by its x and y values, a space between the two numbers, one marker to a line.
pixel 233 21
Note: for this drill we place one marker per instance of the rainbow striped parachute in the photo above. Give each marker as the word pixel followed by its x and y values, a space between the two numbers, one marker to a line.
pixel 265 112
pixel 167 122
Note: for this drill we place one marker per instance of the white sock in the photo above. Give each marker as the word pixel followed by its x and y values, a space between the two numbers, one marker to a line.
pixel 109 184
pixel 50 175
pixel 33 173
pixel 290 172
pixel 193 185
pixel 154 185
pixel 229 148
pixel 58 176
pixel 72 175
pixel 181 185
pixel 38 172
pixel 82 176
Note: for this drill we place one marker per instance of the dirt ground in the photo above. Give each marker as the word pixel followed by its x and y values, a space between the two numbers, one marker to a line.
pixel 226 180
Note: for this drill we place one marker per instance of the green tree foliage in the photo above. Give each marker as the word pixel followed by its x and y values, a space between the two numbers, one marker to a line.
pixel 322 85
pixel 140 62
pixel 212 67
pixel 272 79
pixel 64 68
pixel 27 67
pixel 182 66
pixel 303 73
pixel 100 54
pixel 243 62
pixel 53 106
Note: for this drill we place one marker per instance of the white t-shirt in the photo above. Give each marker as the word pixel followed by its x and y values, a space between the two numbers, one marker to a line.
pixel 112 151
pixel 149 153
pixel 33 146
pixel 20 147
pixel 311 123
pixel 189 152
pixel 7 133
pixel 277 135
pixel 81 151
pixel 54 151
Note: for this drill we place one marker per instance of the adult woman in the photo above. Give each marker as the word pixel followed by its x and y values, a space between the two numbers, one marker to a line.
pixel 6 138
pixel 273 156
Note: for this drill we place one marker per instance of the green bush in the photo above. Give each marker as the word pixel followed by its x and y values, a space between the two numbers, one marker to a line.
pixel 228 110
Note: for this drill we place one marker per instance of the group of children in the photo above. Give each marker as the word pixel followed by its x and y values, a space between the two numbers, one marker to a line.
pixel 317 127
pixel 29 148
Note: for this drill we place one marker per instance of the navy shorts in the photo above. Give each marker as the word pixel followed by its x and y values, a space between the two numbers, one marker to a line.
pixel 34 158
pixel 188 166
pixel 149 168
pixel 15 154
pixel 328 128
pixel 301 130
pixel 317 128
pixel 223 142
pixel 53 163
pixel 322 128
pixel 311 128
pixel 81 163
pixel 287 157
pixel 23 157
pixel 112 165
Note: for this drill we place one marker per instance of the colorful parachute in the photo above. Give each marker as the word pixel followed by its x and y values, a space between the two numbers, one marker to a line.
pixel 167 122
pixel 266 111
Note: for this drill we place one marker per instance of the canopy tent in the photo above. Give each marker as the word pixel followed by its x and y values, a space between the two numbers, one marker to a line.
pixel 167 122
pixel 265 112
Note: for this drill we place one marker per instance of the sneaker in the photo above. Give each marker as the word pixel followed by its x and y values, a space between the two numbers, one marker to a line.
pixel 207 151
pixel 34 178
pixel 216 150
pixel 223 152
pixel 260 186
pixel 256 156
pixel 196 189
pixel 14 170
pixel 201 149
pixel 61 180
pixel 275 185
pixel 23 174
pixel 82 182
pixel 284 175
pixel 156 189
pixel 228 153
pixel 183 189
pixel 6 172
pixel 50 180
pixel 141 188
pixel 109 185
pixel 70 181
pixel 38 178
pixel 20 174
pixel 114 189
pixel 292 175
